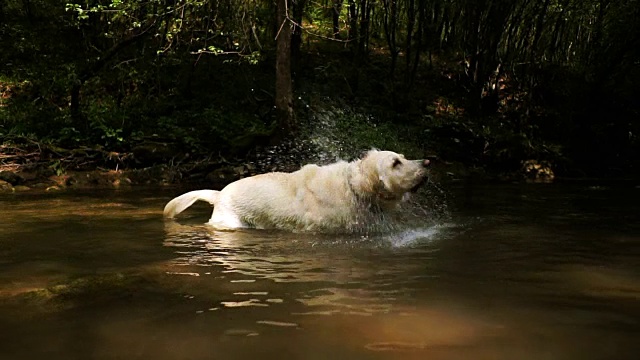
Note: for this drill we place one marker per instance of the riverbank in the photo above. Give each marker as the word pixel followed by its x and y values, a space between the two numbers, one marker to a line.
pixel 40 171
pixel 17 178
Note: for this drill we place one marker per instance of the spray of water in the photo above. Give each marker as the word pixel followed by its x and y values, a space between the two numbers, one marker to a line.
pixel 329 136
pixel 326 137
pixel 413 236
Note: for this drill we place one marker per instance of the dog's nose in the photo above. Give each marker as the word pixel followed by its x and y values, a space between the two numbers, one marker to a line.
pixel 426 162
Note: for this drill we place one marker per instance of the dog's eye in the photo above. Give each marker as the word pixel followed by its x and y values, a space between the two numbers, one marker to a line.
pixel 396 163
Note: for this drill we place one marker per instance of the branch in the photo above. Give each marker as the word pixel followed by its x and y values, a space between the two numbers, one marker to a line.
pixel 111 52
pixel 287 18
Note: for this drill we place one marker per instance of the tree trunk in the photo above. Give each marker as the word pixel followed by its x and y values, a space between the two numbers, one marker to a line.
pixel 296 35
pixel 390 29
pixel 337 8
pixel 418 41
pixel 411 18
pixel 365 22
pixel 26 6
pixel 353 24
pixel 284 91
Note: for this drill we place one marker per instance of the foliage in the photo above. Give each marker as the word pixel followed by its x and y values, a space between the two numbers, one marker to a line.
pixel 490 82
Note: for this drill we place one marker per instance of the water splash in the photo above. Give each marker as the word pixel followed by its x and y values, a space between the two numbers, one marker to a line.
pixel 339 133
pixel 327 136
pixel 414 236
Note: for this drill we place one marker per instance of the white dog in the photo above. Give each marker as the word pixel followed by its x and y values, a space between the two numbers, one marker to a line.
pixel 335 197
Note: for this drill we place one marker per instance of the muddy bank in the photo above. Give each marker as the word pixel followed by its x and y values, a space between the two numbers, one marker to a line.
pixel 214 176
pixel 29 165
pixel 217 175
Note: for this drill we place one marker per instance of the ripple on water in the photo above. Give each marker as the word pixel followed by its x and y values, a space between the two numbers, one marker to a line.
pixel 246 303
pixel 277 323
pixel 394 346
pixel 240 332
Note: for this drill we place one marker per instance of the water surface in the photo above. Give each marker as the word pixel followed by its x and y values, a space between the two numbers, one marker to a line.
pixel 509 272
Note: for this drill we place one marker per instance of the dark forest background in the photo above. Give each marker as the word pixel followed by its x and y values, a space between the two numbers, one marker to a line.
pixel 492 84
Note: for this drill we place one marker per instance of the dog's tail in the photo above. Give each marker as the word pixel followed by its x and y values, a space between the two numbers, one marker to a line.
pixel 182 202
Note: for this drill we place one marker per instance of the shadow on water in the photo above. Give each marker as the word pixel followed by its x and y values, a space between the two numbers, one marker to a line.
pixel 500 272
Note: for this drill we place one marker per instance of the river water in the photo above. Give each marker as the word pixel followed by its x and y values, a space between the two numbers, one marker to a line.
pixel 508 271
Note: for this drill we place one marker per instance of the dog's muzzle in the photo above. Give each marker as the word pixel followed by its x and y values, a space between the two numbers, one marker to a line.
pixel 423 179
pixel 417 186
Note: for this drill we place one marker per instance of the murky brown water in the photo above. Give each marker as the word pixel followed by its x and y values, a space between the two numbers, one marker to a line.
pixel 514 272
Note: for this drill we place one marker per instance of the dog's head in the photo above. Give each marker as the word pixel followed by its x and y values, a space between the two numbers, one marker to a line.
pixel 389 174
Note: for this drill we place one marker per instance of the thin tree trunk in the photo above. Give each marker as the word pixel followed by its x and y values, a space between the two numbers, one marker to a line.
pixel 337 8
pixel 284 91
pixel 353 24
pixel 390 27
pixel 296 35
pixel 26 6
pixel 419 41
pixel 515 23
pixel 365 23
pixel 411 17
pixel 442 31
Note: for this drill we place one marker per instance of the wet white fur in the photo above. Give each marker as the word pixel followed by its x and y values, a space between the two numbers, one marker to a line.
pixel 314 198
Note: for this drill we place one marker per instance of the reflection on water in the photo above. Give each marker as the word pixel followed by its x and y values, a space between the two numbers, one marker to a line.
pixel 508 272
pixel 339 272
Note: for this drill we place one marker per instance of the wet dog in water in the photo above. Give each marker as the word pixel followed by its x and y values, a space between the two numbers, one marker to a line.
pixel 333 197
